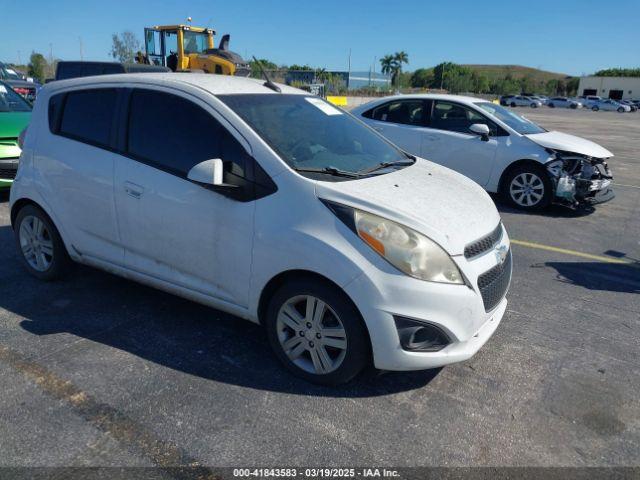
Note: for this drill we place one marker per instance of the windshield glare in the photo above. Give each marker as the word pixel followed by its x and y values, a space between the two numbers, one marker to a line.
pixel 10 101
pixel 513 120
pixel 308 132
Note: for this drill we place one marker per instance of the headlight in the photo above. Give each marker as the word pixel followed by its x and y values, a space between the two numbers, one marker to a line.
pixel 404 248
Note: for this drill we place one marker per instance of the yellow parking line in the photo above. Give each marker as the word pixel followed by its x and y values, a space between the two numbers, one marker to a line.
pixel 574 253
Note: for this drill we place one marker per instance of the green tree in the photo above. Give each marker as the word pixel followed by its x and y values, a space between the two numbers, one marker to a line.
pixel 266 64
pixel 422 78
pixel 618 72
pixel 388 65
pixel 480 83
pixel 572 86
pixel 125 46
pixel 37 66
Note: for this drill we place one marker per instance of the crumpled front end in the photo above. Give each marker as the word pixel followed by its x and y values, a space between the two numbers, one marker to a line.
pixel 580 179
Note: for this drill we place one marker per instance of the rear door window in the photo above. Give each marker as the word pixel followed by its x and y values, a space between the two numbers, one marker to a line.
pixel 88 116
pixel 405 112
pixel 174 134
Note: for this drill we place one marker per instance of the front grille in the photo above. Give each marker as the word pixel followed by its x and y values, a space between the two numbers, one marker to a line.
pixel 493 284
pixel 484 244
pixel 8 173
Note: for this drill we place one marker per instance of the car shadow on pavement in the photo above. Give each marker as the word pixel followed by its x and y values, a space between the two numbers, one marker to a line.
pixel 611 277
pixel 167 330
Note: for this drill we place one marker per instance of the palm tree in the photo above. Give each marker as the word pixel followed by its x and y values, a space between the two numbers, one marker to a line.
pixel 388 65
pixel 400 58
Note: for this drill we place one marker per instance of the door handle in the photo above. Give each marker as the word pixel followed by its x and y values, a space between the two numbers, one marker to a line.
pixel 133 190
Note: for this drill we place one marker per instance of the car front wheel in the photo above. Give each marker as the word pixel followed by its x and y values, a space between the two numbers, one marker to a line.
pixel 621 110
pixel 317 332
pixel 595 108
pixel 551 105
pixel 527 187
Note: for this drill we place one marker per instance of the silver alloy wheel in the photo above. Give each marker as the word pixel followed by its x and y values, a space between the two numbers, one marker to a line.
pixel 527 189
pixel 36 243
pixel 311 334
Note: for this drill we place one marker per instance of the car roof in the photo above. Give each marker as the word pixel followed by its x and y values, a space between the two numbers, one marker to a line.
pixel 215 84
pixel 426 96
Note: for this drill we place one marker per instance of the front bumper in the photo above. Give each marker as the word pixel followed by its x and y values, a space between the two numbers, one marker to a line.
pixel 8 171
pixel 458 310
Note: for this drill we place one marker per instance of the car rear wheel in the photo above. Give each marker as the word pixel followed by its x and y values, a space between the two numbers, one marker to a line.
pixel 513 104
pixel 527 187
pixel 551 105
pixel 533 105
pixel 41 249
pixel 595 108
pixel 317 332
pixel 621 110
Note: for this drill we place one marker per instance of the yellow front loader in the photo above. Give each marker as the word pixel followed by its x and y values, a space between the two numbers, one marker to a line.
pixel 184 48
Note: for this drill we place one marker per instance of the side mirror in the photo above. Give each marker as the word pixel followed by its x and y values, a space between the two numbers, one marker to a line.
pixel 480 129
pixel 208 173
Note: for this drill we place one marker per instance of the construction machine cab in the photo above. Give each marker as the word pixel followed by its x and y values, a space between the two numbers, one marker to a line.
pixel 184 48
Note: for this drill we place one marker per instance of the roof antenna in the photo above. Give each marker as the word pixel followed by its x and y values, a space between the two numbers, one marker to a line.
pixel 268 83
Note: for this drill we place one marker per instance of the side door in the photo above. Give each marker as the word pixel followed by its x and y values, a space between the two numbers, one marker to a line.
pixel 154 46
pixel 76 169
pixel 401 121
pixel 173 229
pixel 449 141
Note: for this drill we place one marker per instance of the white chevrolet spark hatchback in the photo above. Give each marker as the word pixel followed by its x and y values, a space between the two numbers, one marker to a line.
pixel 268 203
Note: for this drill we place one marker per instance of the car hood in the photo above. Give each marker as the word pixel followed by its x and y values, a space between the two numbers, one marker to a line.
pixel 433 200
pixel 569 143
pixel 11 124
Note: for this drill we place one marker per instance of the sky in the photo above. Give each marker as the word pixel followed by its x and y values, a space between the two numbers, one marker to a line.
pixel 569 36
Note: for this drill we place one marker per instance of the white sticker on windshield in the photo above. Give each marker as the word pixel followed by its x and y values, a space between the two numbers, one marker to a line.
pixel 324 106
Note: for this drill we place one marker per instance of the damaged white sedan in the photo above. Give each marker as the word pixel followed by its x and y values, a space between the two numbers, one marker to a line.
pixel 497 148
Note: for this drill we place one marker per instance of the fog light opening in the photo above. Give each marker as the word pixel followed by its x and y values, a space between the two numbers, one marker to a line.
pixel 417 336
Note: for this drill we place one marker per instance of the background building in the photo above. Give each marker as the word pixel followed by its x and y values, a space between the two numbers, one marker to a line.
pixel 618 88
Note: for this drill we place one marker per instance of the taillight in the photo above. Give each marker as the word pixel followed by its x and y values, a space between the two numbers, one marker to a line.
pixel 23 134
pixel 21 91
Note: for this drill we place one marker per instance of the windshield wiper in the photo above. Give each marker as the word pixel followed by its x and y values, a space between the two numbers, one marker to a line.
pixel 329 171
pixel 384 165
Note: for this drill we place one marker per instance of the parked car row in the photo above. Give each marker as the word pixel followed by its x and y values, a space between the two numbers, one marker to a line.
pixel 274 205
pixel 22 85
pixel 592 102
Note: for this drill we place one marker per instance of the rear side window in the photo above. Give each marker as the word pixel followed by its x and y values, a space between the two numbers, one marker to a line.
pixel 174 134
pixel 406 112
pixel 87 116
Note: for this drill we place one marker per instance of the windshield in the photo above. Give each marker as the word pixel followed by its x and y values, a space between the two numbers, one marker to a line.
pixel 195 42
pixel 9 73
pixel 513 120
pixel 10 101
pixel 310 133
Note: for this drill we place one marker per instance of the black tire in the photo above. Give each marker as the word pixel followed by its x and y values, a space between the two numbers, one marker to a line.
pixel 573 106
pixel 358 346
pixel 60 263
pixel 621 110
pixel 514 201
pixel 533 105
pixel 595 108
pixel 551 105
pixel 513 104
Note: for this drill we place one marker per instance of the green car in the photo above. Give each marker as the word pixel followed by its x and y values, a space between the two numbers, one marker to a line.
pixel 15 113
